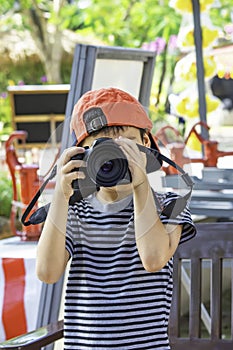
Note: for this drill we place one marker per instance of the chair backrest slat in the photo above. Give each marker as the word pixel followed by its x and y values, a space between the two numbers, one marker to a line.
pixel 205 261
pixel 195 299
pixel 216 297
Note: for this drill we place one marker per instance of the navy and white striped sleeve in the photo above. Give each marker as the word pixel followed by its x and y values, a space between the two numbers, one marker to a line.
pixel 184 218
pixel 69 231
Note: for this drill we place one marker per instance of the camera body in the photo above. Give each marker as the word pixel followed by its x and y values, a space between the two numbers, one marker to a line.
pixel 106 166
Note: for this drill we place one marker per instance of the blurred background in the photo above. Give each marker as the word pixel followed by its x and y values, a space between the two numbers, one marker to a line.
pixel 37 45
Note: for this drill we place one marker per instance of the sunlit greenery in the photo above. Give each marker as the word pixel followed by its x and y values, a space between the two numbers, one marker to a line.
pixel 126 23
pixel 133 22
pixel 6 194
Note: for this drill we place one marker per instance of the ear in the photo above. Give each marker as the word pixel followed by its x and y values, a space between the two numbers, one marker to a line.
pixel 146 140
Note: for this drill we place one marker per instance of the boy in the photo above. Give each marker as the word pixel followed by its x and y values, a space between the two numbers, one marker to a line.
pixel 120 245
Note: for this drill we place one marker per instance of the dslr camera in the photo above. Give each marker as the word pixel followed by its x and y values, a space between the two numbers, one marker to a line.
pixel 106 166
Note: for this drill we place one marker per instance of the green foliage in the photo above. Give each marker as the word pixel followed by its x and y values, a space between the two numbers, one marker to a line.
pixel 71 17
pixel 133 22
pixel 5 195
pixel 5 115
pixel 126 23
pixel 6 5
pixel 67 16
pixel 222 15
pixel 28 71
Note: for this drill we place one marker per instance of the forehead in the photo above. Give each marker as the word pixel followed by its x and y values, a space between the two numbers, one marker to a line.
pixel 128 132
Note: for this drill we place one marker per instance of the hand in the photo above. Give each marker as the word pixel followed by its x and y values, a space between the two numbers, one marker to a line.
pixel 68 170
pixel 136 160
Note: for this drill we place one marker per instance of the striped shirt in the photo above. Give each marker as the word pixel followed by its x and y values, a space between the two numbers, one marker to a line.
pixel 111 301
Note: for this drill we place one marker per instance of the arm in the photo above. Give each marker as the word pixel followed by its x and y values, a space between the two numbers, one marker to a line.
pixel 156 242
pixel 52 256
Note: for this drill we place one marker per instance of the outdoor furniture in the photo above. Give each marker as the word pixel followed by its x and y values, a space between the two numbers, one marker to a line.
pixel 37 339
pixel 212 194
pixel 211 249
pixel 213 246
pixel 40 111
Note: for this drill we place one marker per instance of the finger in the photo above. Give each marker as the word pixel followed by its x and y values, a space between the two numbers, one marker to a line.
pixel 71 152
pixel 131 150
pixel 67 182
pixel 125 142
pixel 70 177
pixel 73 164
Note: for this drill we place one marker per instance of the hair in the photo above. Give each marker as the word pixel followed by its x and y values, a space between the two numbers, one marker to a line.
pixel 114 129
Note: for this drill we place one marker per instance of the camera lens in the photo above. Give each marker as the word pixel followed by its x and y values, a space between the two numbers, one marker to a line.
pixel 107 165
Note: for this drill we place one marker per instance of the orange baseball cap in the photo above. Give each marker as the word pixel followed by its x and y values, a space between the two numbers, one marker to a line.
pixel 97 109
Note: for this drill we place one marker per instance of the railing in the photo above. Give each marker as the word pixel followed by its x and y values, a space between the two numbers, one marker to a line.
pixel 36 339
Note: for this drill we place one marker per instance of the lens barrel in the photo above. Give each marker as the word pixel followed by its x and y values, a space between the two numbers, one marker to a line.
pixel 107 165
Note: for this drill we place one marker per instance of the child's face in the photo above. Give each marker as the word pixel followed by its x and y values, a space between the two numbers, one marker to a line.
pixel 129 132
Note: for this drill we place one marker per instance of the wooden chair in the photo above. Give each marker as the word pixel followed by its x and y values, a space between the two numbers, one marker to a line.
pixel 36 339
pixel 213 246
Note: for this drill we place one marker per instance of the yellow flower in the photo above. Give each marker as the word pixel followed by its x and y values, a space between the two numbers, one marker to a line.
pixel 209 36
pixel 210 66
pixel 189 105
pixel 212 103
pixel 221 71
pixel 181 5
pixel 186 37
pixel 11 82
pixel 194 143
pixel 186 68
pixel 205 4
pixel 181 106
pixel 186 6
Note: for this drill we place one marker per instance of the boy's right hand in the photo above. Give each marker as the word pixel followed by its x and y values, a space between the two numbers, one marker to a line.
pixel 68 170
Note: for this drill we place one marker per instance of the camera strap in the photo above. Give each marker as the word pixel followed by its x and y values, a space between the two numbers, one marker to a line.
pixel 40 214
pixel 176 206
pixel 172 210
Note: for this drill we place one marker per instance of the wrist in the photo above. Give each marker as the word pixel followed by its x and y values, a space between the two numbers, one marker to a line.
pixel 60 195
pixel 141 183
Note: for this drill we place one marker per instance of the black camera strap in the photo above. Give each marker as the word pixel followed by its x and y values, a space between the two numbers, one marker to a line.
pixel 174 208
pixel 40 214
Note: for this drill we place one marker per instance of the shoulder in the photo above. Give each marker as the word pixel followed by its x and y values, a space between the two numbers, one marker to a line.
pixel 183 218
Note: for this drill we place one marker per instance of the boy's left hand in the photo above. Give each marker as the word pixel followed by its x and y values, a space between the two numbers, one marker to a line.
pixel 136 159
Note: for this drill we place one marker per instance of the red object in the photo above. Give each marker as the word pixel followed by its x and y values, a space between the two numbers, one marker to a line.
pixel 211 152
pixel 176 149
pixel 29 185
pixel 108 107
pixel 13 313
